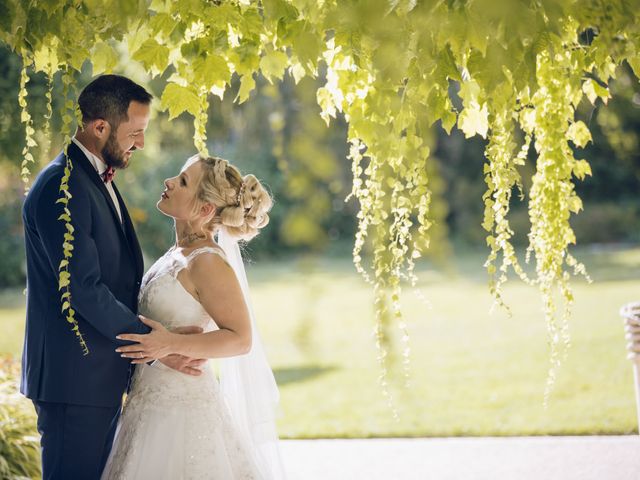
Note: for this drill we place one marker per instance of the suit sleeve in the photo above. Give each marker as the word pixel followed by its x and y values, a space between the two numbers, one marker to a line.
pixel 90 297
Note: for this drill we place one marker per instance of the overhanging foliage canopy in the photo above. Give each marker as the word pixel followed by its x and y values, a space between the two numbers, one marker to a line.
pixel 392 67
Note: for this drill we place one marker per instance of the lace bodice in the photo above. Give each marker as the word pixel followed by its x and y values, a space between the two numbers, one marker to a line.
pixel 164 299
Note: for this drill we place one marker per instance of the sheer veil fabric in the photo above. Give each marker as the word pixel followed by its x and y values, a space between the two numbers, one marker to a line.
pixel 247 382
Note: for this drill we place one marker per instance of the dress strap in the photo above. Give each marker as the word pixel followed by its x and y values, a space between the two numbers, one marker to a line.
pixel 198 251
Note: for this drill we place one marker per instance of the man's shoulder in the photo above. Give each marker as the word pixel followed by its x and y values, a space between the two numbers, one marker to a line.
pixel 50 174
pixel 47 182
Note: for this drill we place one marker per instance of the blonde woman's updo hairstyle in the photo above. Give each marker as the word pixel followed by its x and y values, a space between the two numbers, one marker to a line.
pixel 242 203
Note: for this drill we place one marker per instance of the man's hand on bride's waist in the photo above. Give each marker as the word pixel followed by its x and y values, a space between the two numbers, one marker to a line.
pixel 186 365
pixel 157 345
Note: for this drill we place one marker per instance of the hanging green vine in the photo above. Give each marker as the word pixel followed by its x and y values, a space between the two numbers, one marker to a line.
pixel 64 280
pixel 25 117
pixel 502 177
pixel 48 95
pixel 200 137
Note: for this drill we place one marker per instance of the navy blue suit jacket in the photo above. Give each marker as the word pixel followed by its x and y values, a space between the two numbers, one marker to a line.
pixel 106 270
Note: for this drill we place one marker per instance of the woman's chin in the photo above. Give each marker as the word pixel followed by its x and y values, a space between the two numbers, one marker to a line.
pixel 160 207
pixel 164 210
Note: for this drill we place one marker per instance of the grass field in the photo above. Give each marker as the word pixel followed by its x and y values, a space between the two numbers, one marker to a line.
pixel 473 373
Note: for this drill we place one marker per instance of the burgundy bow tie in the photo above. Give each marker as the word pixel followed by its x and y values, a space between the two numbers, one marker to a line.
pixel 108 174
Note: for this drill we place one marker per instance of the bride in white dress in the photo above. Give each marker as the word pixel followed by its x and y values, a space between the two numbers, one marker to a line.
pixel 175 426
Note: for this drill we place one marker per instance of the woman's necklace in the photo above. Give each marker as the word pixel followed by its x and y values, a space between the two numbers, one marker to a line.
pixel 190 238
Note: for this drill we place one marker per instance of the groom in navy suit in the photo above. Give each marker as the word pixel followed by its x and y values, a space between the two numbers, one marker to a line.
pixel 78 397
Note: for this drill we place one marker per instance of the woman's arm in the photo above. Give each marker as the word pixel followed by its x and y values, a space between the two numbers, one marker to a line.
pixel 221 296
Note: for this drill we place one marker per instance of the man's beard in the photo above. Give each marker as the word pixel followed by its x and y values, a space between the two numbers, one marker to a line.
pixel 112 155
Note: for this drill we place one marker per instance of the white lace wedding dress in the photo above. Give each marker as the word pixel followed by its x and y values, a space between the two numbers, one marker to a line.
pixel 175 426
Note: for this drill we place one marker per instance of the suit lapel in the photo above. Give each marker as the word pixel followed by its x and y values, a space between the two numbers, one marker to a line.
pixel 130 233
pixel 82 161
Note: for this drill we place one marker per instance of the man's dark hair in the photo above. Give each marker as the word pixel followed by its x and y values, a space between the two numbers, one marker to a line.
pixel 108 98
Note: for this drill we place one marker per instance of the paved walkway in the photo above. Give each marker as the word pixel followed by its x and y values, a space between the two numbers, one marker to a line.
pixel 493 458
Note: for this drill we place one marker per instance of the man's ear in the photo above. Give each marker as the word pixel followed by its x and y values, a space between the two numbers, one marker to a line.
pixel 100 128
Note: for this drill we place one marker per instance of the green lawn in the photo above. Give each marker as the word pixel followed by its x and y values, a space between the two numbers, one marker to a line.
pixel 473 373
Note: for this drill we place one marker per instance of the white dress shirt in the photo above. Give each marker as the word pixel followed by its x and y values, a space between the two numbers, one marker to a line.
pixel 100 167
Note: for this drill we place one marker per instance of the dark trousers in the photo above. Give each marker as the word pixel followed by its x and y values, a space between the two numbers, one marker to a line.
pixel 76 439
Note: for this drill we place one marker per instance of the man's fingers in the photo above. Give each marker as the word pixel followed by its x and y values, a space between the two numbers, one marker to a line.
pixel 198 362
pixel 182 364
pixel 134 355
pixel 147 321
pixel 132 337
pixel 191 371
pixel 130 348
pixel 136 361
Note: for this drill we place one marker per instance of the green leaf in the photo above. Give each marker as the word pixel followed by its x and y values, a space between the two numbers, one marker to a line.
pixel 178 99
pixel 474 120
pixel 575 204
pixel 593 90
pixel 448 120
pixel 469 92
pixel 245 58
pixel 325 100
pixel 277 9
pixel 297 72
pixel 308 45
pixel 273 64
pixel 634 62
pixel 137 36
pixel 247 84
pixel 103 58
pixel 77 56
pixel 162 23
pixel 579 134
pixel 581 169
pixel 46 55
pixel 211 70
pixel 152 55
pixel 446 64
